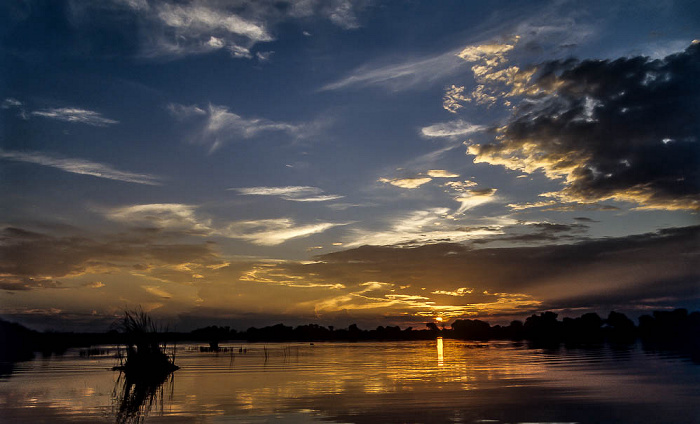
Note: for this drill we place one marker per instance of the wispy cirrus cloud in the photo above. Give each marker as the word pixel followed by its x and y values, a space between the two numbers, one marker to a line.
pixel 424 71
pixel 80 166
pixel 189 220
pixel 452 129
pixel 9 103
pixel 76 116
pixel 473 198
pixel 67 114
pixel 218 125
pixel 185 111
pixel 468 196
pixel 404 75
pixel 271 232
pixel 293 193
pixel 290 191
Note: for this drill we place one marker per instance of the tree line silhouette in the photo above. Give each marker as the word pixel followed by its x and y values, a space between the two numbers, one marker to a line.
pixel 677 328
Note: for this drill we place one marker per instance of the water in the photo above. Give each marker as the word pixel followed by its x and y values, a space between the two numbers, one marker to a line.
pixel 391 382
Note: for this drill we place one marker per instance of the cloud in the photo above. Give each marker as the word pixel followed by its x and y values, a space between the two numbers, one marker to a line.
pixel 615 271
pixel 454 98
pixel 419 228
pixel 270 274
pixel 221 121
pixel 460 186
pixel 452 129
pixel 31 260
pixel 66 114
pixel 322 198
pixel 184 111
pixel 9 103
pixel 536 232
pixel 219 126
pixel 491 54
pixel 185 219
pixel 468 196
pixel 80 166
pixel 197 19
pixel 559 206
pixel 409 74
pixel 474 197
pixel 179 29
pixel 169 28
pixel 172 216
pixel 611 130
pixel 11 283
pixel 75 115
pixel 264 56
pixel 495 78
pixel 494 82
pixel 486 59
pixel 293 193
pixel 271 232
pixel 441 173
pixel 409 183
pixel 158 292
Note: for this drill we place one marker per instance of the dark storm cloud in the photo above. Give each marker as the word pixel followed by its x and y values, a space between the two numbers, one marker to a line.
pixel 584 219
pixel 660 293
pixel 624 269
pixel 31 259
pixel 624 129
pixel 538 232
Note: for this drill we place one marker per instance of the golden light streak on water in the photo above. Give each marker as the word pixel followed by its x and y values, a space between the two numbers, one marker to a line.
pixel 367 382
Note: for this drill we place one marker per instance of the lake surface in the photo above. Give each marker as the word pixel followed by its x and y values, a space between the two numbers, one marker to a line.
pixel 389 382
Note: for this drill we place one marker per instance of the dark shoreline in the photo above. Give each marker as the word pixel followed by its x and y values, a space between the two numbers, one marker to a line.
pixel 663 330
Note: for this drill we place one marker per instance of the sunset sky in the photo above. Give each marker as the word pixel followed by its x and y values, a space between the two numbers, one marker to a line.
pixel 250 162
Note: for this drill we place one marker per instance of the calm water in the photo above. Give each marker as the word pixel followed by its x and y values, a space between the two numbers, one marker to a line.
pixel 453 382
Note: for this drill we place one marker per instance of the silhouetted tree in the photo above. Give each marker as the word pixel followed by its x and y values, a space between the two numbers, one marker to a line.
pixel 516 330
pixel 620 328
pixel 543 327
pixel 471 329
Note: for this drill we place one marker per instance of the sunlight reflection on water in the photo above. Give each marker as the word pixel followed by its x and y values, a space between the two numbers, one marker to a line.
pixel 371 382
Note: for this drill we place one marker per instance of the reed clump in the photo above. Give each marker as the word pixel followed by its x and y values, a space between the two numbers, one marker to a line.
pixel 146 348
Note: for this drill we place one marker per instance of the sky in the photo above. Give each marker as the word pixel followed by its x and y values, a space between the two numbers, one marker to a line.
pixel 347 161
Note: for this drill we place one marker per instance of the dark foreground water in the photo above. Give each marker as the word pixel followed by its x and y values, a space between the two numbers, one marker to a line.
pixel 402 382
